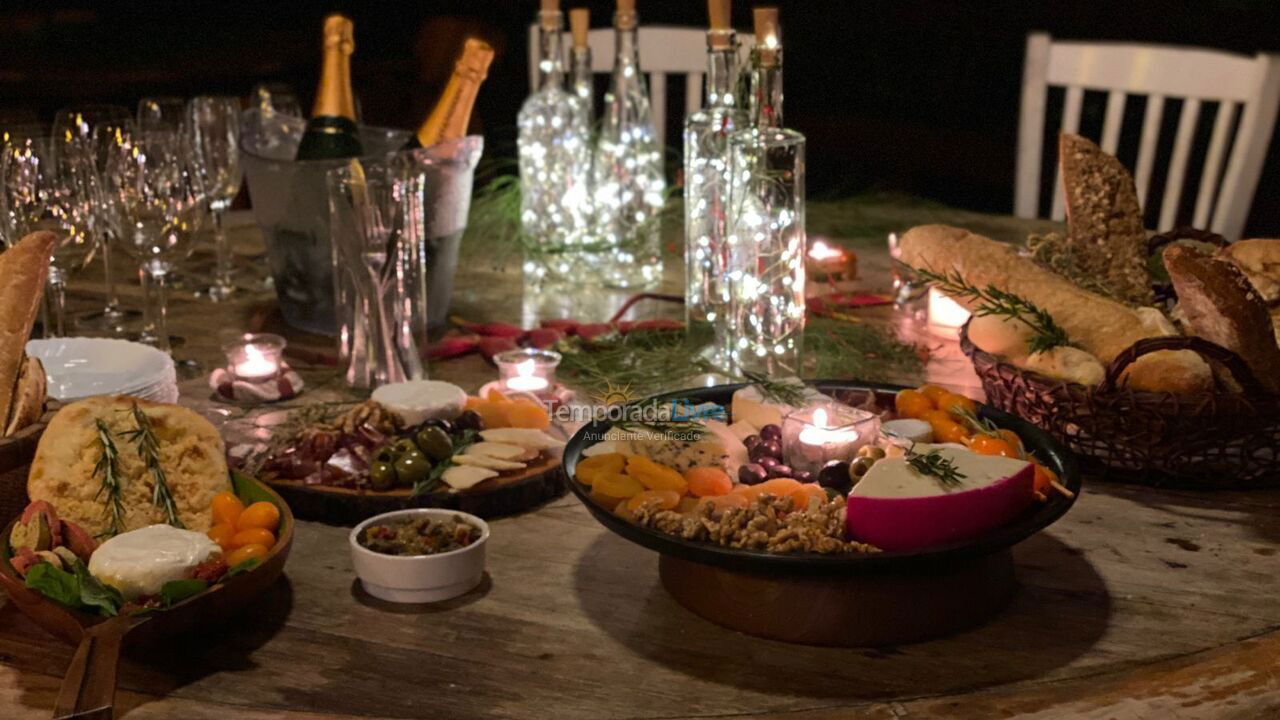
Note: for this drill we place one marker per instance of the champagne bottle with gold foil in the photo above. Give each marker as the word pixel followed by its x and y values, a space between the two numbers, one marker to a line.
pixel 331 132
pixel 449 118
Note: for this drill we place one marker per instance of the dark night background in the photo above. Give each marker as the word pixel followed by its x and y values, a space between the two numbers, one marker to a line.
pixel 916 96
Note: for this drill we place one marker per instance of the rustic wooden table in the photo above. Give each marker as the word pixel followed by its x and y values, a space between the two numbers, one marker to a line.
pixel 1140 603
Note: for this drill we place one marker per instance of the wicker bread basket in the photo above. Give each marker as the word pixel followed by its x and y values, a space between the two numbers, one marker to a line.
pixel 1206 440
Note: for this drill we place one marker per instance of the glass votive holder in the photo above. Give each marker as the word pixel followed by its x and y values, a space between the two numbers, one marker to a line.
pixel 255 357
pixel 815 436
pixel 527 370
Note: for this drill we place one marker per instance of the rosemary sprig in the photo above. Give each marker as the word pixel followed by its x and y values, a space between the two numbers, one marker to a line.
pixel 934 464
pixel 108 467
pixel 149 451
pixel 432 480
pixel 991 300
pixel 781 392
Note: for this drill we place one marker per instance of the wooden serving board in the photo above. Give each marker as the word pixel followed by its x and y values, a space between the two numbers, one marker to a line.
pixel 502 495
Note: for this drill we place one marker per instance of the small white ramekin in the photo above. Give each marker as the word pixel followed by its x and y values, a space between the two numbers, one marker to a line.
pixel 419 578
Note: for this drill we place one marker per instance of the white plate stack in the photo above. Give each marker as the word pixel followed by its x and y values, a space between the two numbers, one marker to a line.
pixel 80 367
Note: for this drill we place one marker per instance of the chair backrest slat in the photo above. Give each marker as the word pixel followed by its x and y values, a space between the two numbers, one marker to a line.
pixel 1192 76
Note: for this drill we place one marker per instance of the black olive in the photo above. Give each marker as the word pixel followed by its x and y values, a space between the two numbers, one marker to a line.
pixel 468 420
pixel 751 441
pixel 803 476
pixel 778 471
pixel 767 462
pixel 751 474
pixel 771 432
pixel 835 476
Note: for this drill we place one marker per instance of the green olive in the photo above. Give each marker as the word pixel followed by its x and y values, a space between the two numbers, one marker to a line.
pixel 412 467
pixel 871 451
pixel 384 454
pixel 435 442
pixel 404 446
pixel 382 475
pixel 859 467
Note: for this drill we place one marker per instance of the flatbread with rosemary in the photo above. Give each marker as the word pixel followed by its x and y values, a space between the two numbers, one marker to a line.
pixel 69 472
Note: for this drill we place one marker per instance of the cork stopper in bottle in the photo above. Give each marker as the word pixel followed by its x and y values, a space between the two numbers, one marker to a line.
pixel 768 37
pixel 719 32
pixel 475 59
pixel 549 17
pixel 579 23
pixel 339 32
pixel 625 18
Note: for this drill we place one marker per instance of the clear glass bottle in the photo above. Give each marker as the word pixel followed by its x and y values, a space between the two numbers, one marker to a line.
pixel 628 183
pixel 706 186
pixel 767 242
pixel 580 77
pixel 555 161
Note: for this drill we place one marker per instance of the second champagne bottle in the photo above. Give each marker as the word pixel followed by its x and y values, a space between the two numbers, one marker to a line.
pixel 449 118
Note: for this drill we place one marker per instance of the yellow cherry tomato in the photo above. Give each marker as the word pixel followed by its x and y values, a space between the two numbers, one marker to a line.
pixel 990 445
pixel 949 432
pixel 222 533
pixel 955 404
pixel 912 404
pixel 241 554
pixel 259 515
pixel 227 508
pixel 934 393
pixel 253 536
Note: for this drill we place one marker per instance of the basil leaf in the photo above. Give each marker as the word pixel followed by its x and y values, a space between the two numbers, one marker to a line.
pixel 96 595
pixel 175 591
pixel 243 567
pixel 57 585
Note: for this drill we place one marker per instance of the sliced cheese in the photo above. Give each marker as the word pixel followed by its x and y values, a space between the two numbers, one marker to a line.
pixel 895 478
pixel 485 461
pixel 502 451
pixel 750 405
pixel 743 429
pixel 461 477
pixel 526 437
pixel 417 401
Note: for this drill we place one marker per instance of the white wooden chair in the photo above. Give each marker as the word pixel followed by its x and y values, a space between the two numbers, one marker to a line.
pixel 1198 76
pixel 663 51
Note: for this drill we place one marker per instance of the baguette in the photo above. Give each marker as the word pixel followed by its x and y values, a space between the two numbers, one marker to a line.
pixel 1100 326
pixel 28 401
pixel 23 270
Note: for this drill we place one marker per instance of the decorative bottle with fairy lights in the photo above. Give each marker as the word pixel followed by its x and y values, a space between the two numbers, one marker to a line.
pixel 555 158
pixel 580 76
pixel 767 239
pixel 706 184
pixel 628 183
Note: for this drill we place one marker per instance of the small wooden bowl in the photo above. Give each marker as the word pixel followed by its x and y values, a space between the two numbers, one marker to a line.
pixel 88 689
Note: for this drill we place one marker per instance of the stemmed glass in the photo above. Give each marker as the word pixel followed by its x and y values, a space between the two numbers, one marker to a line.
pixel 45 188
pixel 214 128
pixel 161 113
pixel 154 184
pixel 88 130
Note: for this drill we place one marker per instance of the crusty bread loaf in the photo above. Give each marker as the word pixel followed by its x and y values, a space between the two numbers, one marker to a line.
pixel 1222 306
pixel 1065 363
pixel 1103 327
pixel 28 397
pixel 1104 219
pixel 192 455
pixel 1260 260
pixel 23 270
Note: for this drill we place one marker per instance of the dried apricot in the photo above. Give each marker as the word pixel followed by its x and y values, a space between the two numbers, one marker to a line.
pixel 493 394
pixel 779 487
pixel 654 475
pixel 708 481
pixel 590 468
pixel 663 499
pixel 528 414
pixel 616 485
pixel 806 494
pixel 493 414
pixel 750 492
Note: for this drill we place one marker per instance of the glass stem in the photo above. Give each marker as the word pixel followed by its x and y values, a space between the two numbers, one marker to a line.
pixel 112 310
pixel 222 276
pixel 161 314
pixel 148 332
pixel 56 296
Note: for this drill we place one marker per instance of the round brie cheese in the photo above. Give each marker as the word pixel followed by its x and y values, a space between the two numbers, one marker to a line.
pixel 139 562
pixel 417 401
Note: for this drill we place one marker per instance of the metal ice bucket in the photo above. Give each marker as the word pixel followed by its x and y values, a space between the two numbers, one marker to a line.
pixel 290 204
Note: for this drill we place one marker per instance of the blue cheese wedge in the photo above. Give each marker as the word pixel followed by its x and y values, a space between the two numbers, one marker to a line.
pixel 710 444
pixel 140 562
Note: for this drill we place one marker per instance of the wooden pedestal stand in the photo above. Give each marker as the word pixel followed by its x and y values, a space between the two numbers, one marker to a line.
pixel 870 609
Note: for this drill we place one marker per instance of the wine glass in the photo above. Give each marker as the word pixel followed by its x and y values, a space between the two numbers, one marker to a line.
pixel 214 126
pixel 11 134
pixel 276 98
pixel 154 185
pixel 45 188
pixel 161 113
pixel 88 130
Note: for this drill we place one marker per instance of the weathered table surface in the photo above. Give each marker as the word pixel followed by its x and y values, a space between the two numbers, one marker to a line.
pixel 1140 603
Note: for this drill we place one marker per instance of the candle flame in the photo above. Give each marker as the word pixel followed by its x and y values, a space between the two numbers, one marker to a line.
pixel 525 368
pixel 820 418
pixel 253 355
pixel 823 251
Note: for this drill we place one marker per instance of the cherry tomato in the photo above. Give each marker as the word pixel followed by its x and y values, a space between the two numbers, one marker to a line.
pixel 955 404
pixel 241 554
pixel 222 533
pixel 1012 438
pixel 912 404
pixel 991 445
pixel 259 515
pixel 934 393
pixel 253 536
pixel 227 508
pixel 1044 477
pixel 949 431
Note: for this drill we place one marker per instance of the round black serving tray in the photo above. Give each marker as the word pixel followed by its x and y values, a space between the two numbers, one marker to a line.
pixel 1037 517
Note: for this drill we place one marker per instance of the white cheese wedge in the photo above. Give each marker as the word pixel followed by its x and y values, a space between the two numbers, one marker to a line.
pixel 417 401
pixel 894 478
pixel 502 451
pixel 525 437
pixel 735 453
pixel 750 405
pixel 909 429
pixel 743 429
pixel 140 562
pixel 461 477
pixel 607 446
pixel 485 461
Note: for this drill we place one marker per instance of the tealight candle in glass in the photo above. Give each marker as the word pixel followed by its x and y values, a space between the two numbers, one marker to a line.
pixel 254 357
pixel 527 370
pixel 815 436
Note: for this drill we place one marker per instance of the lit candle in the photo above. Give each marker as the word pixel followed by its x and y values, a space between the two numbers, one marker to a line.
pixel 945 312
pixel 524 380
pixel 813 438
pixel 255 357
pixel 832 262
pixel 820 433
pixel 526 370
